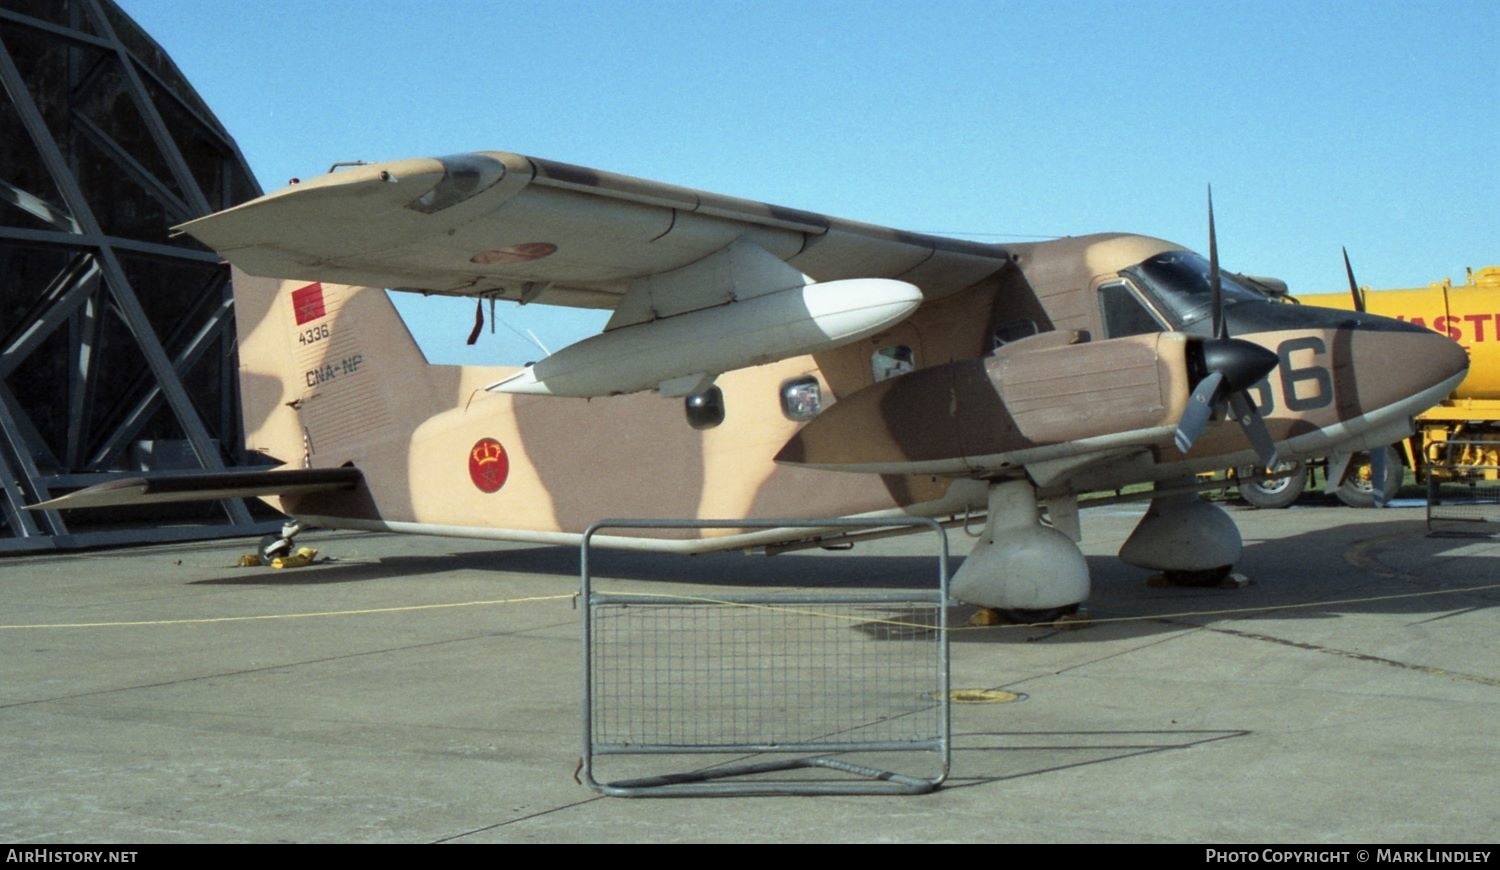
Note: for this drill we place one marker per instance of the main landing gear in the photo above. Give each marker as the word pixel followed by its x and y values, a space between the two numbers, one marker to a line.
pixel 1018 564
pixel 1192 542
pixel 1031 572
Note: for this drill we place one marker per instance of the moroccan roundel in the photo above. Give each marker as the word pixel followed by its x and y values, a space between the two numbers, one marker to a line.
pixel 488 465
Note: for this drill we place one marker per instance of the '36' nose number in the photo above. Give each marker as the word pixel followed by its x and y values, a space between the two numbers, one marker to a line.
pixel 1304 387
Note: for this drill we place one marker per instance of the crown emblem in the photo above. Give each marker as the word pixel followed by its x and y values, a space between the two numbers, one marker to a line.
pixel 488 465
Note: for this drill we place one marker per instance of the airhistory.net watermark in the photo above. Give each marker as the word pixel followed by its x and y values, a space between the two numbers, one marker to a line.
pixel 67 856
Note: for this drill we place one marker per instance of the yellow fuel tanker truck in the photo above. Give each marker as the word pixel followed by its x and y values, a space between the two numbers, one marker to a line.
pixel 1459 438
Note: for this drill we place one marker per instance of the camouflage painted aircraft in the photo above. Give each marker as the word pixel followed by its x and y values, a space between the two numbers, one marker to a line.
pixel 824 367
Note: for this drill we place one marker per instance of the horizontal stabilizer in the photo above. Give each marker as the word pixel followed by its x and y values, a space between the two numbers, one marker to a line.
pixel 210 486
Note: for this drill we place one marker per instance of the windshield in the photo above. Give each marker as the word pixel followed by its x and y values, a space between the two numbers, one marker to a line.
pixel 1179 281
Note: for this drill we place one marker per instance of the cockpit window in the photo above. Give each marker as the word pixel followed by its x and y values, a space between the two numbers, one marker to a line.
pixel 1124 314
pixel 1179 281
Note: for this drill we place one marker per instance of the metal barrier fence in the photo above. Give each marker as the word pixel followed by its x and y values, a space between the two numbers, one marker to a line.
pixel 1464 505
pixel 778 693
pixel 1463 487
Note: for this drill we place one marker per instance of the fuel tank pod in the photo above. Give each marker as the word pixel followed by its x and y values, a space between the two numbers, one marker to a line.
pixel 711 341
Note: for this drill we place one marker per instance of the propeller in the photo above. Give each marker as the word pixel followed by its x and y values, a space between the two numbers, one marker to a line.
pixel 1226 368
pixel 1216 287
pixel 1377 474
pixel 1377 456
pixel 1230 367
pixel 1359 298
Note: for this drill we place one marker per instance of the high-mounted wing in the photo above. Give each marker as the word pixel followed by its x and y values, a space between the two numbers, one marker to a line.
pixel 531 230
pixel 699 283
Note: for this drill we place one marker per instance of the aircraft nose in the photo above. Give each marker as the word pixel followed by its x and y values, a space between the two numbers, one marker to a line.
pixel 1384 367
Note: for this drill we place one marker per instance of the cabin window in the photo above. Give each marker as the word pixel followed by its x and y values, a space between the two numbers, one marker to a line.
pixel 1124 312
pixel 892 362
pixel 801 399
pixel 704 410
pixel 1014 330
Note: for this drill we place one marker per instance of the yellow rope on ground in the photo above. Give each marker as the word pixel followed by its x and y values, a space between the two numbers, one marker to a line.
pixel 1083 621
pixel 406 608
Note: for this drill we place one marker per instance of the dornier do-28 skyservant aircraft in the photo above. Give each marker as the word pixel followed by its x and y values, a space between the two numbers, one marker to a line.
pixel 823 367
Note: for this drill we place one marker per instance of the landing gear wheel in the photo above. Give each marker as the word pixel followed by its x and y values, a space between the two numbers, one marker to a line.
pixel 1358 489
pixel 273 546
pixel 1278 493
pixel 1209 578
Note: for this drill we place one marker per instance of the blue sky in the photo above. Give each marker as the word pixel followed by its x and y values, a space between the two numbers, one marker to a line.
pixel 1374 125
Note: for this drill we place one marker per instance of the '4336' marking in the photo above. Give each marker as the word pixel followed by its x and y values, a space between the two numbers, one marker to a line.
pixel 313 335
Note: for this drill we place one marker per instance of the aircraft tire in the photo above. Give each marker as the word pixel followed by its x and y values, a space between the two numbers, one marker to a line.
pixel 1358 491
pixel 1272 494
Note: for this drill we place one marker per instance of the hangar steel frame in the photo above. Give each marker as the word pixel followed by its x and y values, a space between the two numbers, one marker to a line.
pixel 116 338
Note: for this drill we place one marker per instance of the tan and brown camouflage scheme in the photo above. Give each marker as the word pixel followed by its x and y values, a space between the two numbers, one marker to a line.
pixel 1012 376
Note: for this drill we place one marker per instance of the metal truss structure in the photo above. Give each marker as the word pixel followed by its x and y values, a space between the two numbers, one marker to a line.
pixel 116 339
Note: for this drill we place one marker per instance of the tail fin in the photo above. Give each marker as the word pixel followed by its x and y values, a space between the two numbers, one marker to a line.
pixel 321 365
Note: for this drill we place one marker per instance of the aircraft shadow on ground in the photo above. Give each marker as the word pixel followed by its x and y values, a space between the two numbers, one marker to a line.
pixel 731 570
pixel 1319 574
pixel 1324 573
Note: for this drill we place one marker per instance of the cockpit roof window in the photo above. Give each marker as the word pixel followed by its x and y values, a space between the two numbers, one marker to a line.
pixel 1179 280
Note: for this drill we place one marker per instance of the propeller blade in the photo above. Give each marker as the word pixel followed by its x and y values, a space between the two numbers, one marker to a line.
pixel 1221 329
pixel 1255 428
pixel 1338 469
pixel 1359 299
pixel 1200 408
pixel 1377 475
pixel 1232 368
